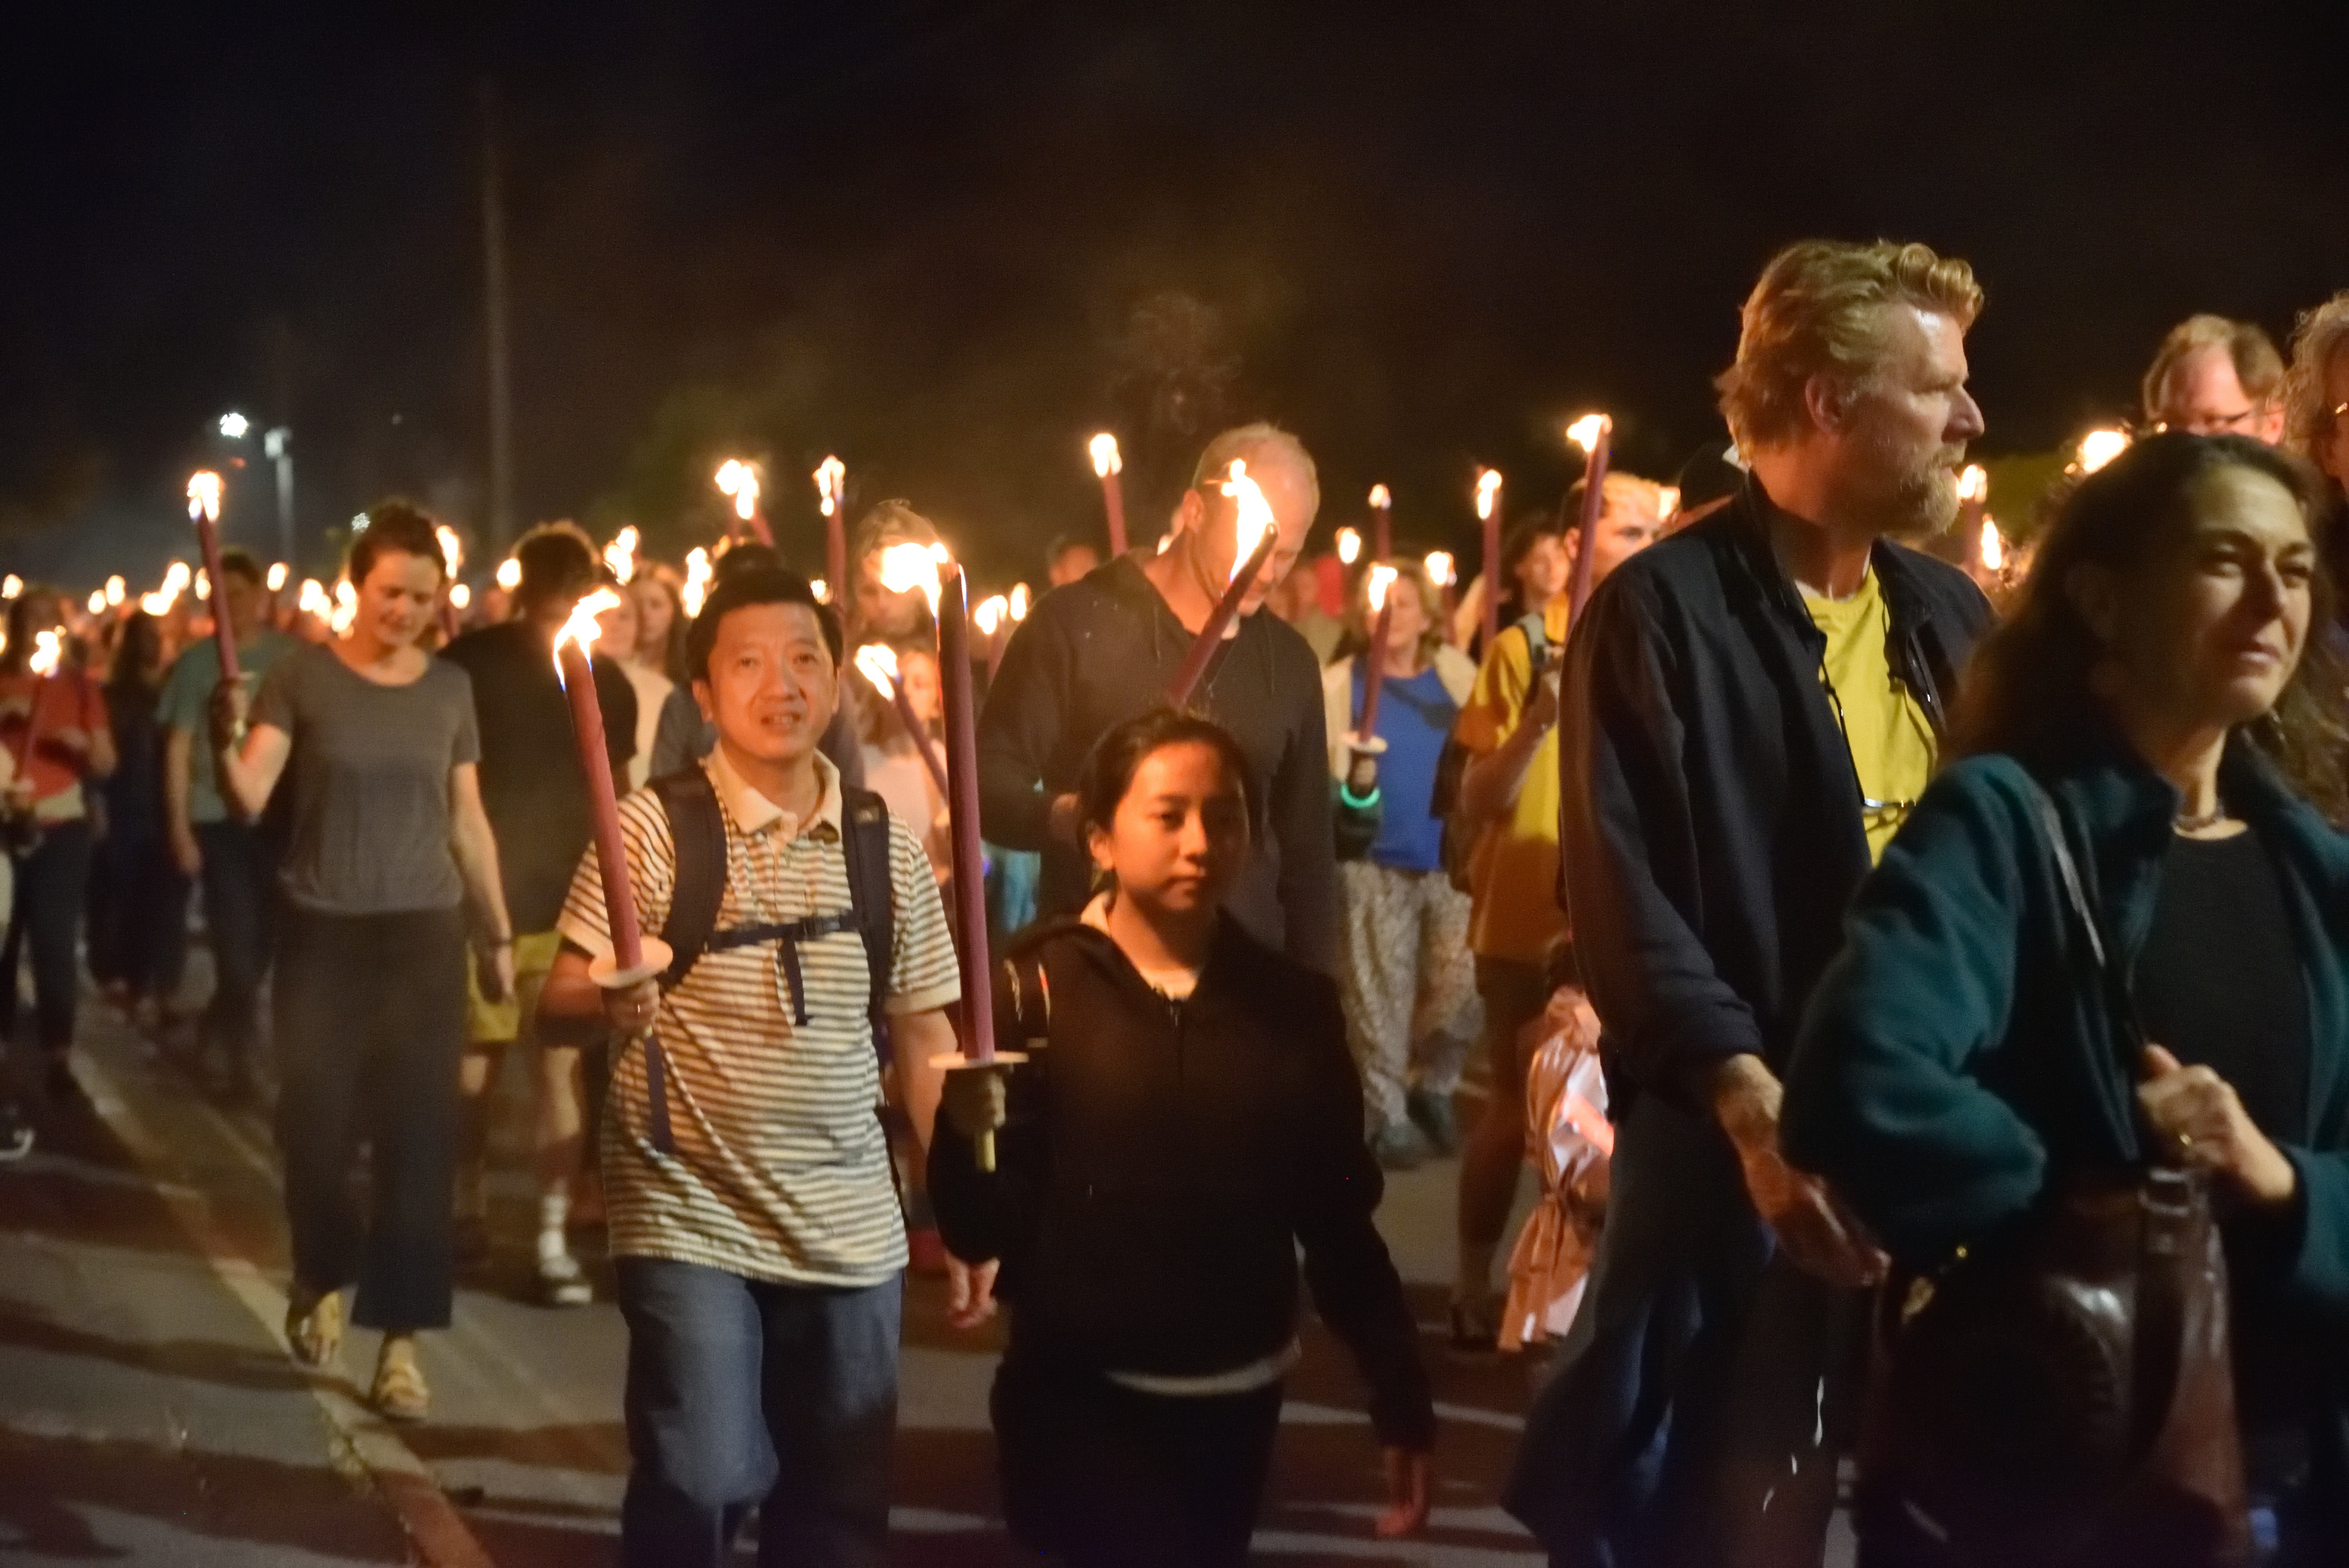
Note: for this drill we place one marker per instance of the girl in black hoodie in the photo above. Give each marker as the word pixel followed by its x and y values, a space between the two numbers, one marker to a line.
pixel 1189 1118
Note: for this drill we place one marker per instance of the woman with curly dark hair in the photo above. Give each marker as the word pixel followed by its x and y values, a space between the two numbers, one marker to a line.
pixel 2107 944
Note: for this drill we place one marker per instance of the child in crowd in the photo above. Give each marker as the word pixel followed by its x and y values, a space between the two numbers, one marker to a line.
pixel 1189 1116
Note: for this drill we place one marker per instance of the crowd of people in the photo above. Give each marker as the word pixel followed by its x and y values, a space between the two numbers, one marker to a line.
pixel 1877 967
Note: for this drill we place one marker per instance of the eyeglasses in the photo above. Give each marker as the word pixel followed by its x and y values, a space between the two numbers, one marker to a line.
pixel 2236 424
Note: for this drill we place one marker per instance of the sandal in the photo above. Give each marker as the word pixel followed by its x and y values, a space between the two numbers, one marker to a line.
pixel 399 1392
pixel 313 1325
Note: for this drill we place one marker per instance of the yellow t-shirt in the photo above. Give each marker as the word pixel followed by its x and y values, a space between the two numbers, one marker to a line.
pixel 1513 871
pixel 1890 738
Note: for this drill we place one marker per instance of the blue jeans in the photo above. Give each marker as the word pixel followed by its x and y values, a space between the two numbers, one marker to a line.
pixel 745 1394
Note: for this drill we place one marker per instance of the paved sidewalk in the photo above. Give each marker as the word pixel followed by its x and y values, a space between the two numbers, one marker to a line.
pixel 147 1415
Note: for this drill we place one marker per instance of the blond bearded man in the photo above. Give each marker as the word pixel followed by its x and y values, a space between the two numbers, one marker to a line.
pixel 1749 709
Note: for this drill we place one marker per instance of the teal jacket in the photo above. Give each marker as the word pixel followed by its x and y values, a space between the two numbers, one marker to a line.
pixel 1960 1054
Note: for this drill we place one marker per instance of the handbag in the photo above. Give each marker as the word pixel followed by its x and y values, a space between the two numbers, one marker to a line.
pixel 2063 1396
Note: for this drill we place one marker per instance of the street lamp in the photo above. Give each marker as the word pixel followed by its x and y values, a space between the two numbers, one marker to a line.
pixel 277 446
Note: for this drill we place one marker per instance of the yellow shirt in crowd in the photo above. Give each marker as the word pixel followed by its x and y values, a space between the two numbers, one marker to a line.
pixel 1890 738
pixel 1513 874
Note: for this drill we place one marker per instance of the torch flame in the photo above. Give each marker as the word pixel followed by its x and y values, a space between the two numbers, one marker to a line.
pixel 1668 502
pixel 204 585
pixel 740 481
pixel 313 600
pixel 98 600
pixel 203 496
pixel 822 590
pixel 115 589
pixel 697 580
pixel 452 548
pixel 992 612
pixel 831 484
pixel 1350 546
pixel 583 628
pixel 509 574
pixel 11 586
pixel 1973 483
pixel 1586 431
pixel 1440 569
pixel 877 663
pixel 277 575
pixel 1255 515
pixel 2098 447
pixel 1489 489
pixel 1106 461
pixel 1993 547
pixel 47 647
pixel 1018 602
pixel 1380 500
pixel 460 596
pixel 620 555
pixel 910 565
pixel 1381 575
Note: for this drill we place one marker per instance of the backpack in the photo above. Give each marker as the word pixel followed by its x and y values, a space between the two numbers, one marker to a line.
pixel 697 827
pixel 1460 833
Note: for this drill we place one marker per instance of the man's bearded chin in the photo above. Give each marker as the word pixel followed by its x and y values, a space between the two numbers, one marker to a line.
pixel 1923 503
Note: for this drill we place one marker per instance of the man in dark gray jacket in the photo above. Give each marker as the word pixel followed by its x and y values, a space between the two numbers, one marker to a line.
pixel 1750 708
pixel 1097 651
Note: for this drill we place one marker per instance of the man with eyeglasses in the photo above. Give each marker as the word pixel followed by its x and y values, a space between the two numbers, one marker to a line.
pixel 2213 377
pixel 1751 706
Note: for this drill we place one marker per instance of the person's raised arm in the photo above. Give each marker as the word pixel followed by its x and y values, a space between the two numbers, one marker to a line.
pixel 476 849
pixel 249 770
pixel 1490 783
pixel 1019 726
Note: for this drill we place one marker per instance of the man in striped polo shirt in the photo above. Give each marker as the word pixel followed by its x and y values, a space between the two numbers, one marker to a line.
pixel 754 1213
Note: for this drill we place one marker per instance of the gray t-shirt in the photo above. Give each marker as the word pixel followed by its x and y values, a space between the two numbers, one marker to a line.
pixel 369 773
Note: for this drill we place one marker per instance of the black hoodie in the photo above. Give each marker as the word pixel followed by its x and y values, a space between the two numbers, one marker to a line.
pixel 1163 1164
pixel 1096 653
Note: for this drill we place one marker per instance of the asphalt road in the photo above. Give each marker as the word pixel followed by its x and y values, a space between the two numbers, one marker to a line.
pixel 149 1414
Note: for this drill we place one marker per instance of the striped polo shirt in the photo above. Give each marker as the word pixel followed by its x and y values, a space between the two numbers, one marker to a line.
pixel 781 1170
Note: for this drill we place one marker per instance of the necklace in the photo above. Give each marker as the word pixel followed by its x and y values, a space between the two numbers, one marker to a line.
pixel 2201 824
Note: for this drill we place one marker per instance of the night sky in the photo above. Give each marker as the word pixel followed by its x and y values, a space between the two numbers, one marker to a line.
pixel 949 241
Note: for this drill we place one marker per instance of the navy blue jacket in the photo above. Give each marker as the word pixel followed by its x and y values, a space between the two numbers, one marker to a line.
pixel 1711 837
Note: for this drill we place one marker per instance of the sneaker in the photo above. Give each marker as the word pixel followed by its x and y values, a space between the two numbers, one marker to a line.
pixel 15 1132
pixel 1433 1115
pixel 561 1281
pixel 1398 1146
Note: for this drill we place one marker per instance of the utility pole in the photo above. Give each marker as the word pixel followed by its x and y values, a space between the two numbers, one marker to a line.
pixel 277 445
pixel 493 295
